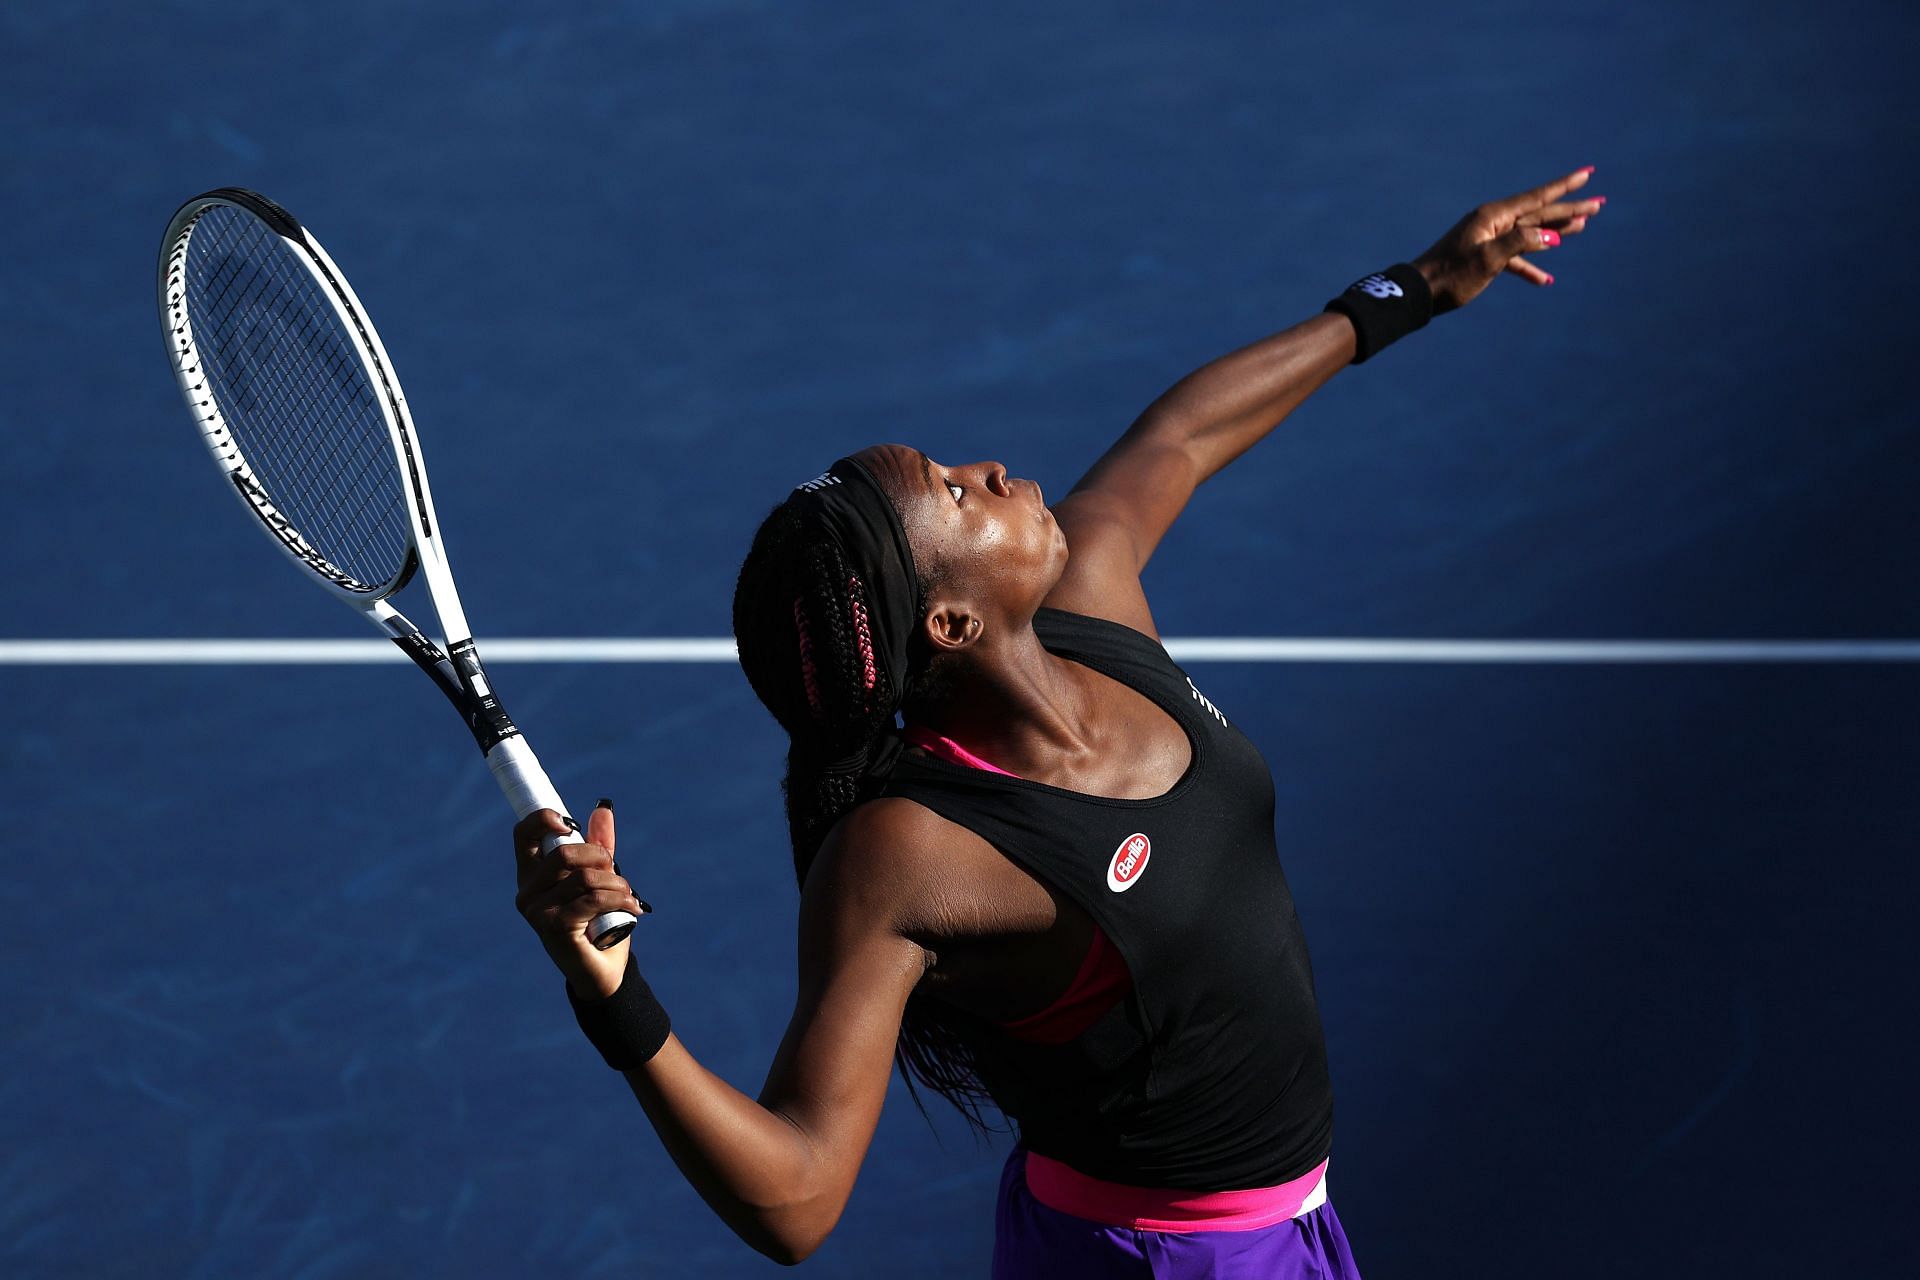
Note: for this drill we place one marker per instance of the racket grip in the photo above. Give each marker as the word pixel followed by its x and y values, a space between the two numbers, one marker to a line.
pixel 527 787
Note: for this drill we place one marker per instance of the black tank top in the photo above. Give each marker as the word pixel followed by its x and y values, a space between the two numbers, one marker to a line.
pixel 1212 1074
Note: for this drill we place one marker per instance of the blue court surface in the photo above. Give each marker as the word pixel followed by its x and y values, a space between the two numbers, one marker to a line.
pixel 1615 958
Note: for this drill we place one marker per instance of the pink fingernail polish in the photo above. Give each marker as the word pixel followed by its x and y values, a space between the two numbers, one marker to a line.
pixel 1549 237
pixel 1588 169
pixel 1549 279
pixel 1598 199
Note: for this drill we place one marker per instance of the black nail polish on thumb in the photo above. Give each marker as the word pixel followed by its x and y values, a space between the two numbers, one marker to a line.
pixel 605 804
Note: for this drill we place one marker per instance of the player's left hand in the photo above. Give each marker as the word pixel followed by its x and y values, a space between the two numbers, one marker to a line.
pixel 1494 237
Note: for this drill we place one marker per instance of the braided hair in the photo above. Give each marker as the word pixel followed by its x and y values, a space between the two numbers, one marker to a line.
pixel 800 618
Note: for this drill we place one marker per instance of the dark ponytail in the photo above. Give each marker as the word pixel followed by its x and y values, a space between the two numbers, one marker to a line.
pixel 801 620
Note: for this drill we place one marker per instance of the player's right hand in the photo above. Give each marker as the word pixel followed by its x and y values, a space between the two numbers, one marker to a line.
pixel 562 890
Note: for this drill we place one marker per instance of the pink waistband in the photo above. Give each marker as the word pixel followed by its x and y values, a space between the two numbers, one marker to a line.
pixel 1147 1209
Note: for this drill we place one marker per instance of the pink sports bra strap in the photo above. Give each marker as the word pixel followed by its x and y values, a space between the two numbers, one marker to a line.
pixel 1148 1209
pixel 949 750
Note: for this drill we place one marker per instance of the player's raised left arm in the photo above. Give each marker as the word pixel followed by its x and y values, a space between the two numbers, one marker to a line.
pixel 1124 505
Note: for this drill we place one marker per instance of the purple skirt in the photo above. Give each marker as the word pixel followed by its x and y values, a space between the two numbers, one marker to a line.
pixel 1034 1242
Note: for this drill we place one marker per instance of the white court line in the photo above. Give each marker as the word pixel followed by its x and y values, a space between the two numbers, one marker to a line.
pixel 1190 649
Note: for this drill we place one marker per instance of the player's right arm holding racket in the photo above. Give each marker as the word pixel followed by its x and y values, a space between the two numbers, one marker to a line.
pixel 778 1170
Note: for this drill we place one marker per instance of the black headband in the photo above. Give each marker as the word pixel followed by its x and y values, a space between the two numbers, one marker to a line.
pixel 863 520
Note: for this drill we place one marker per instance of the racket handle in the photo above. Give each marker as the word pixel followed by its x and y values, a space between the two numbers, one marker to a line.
pixel 518 771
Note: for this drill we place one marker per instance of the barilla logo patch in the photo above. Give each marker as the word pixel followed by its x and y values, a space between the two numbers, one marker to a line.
pixel 1129 861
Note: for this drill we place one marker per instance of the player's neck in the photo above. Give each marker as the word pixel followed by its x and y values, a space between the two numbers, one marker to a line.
pixel 1015 704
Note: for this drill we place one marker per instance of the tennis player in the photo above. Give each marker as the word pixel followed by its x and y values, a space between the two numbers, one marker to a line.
pixel 1056 888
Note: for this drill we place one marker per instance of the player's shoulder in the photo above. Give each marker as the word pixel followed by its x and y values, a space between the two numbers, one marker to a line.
pixel 1102 577
pixel 893 858
pixel 894 836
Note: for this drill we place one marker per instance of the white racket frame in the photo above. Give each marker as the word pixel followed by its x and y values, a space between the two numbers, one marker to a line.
pixel 511 761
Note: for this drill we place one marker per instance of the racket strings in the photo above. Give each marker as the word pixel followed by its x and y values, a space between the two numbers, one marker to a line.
pixel 296 398
pixel 288 457
pixel 308 477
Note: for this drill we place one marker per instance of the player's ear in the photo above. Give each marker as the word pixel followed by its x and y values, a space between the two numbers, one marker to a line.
pixel 951 626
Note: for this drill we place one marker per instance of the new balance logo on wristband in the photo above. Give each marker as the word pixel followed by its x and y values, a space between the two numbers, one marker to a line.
pixel 1378 286
pixel 818 483
pixel 1385 306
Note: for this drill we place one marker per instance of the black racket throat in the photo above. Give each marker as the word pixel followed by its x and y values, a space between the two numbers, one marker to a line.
pixel 458 673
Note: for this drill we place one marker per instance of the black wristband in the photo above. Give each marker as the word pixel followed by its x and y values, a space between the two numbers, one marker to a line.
pixel 1385 307
pixel 629 1026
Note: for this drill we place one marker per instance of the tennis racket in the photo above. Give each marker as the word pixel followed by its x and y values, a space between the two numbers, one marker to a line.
pixel 297 401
